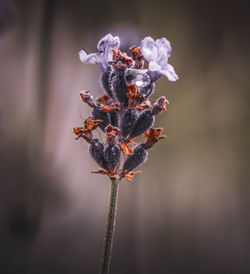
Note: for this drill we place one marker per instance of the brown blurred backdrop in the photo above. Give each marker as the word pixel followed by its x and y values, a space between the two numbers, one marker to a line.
pixel 188 213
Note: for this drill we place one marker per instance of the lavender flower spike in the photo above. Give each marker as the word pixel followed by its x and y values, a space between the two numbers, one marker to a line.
pixel 104 54
pixel 157 54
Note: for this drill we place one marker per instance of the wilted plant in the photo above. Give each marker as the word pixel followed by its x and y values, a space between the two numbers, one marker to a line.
pixel 123 113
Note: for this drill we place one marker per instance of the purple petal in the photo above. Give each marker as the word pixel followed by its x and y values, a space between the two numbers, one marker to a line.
pixel 149 49
pixel 93 58
pixel 170 73
pixel 108 41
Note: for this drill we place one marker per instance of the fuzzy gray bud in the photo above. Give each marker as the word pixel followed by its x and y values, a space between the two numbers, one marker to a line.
pixel 100 115
pixel 112 155
pixel 96 150
pixel 139 156
pixel 143 123
pixel 128 120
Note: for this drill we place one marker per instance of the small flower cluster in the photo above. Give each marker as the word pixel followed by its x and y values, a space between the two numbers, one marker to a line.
pixel 125 111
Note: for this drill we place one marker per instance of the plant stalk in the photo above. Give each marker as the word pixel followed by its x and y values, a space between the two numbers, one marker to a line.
pixel 110 227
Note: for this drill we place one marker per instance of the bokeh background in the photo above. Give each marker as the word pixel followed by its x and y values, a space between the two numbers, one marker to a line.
pixel 188 212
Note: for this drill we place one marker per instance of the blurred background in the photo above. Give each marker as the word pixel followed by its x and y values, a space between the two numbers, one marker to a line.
pixel 188 212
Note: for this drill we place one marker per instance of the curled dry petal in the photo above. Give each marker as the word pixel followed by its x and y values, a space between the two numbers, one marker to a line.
pixel 80 132
pixel 160 105
pixel 137 56
pixel 122 58
pixel 129 175
pixel 104 172
pixel 91 123
pixel 153 136
pixel 111 133
pixel 134 97
pixel 85 132
pixel 126 149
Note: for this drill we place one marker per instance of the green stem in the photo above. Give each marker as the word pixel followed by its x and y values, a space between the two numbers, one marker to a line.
pixel 110 227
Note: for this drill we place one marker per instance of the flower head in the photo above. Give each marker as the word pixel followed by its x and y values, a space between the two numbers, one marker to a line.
pixel 157 54
pixel 125 112
pixel 104 55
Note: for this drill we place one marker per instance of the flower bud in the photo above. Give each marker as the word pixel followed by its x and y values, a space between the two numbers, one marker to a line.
pixel 100 115
pixel 87 98
pixel 141 79
pixel 114 118
pixel 105 82
pixel 96 150
pixel 112 155
pixel 160 105
pixel 143 123
pixel 139 156
pixel 128 120
pixel 118 84
pixel 147 91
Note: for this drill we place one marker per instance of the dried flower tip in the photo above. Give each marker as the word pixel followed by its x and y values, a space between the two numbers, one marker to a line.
pixel 78 131
pixel 111 133
pixel 126 149
pixel 134 97
pixel 87 98
pixel 136 52
pixel 81 132
pixel 106 100
pixel 129 175
pixel 112 130
pixel 137 56
pixel 107 108
pixel 104 172
pixel 153 136
pixel 85 132
pixel 144 105
pixel 160 105
pixel 122 57
pixel 91 123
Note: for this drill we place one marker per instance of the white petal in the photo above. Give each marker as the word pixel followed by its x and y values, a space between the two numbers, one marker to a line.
pixel 87 58
pixel 106 44
pixel 154 66
pixel 164 47
pixel 94 58
pixel 170 73
pixel 108 41
pixel 149 49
